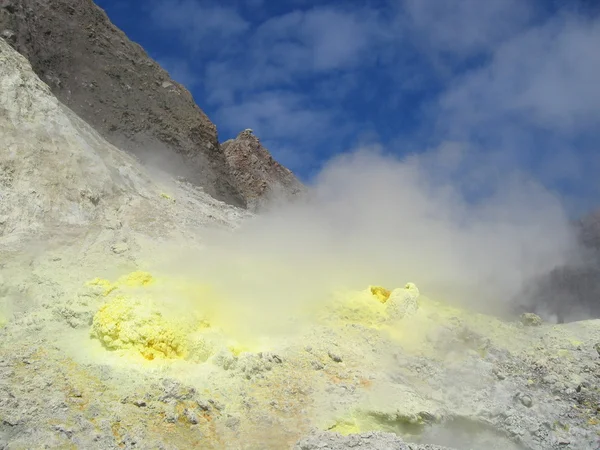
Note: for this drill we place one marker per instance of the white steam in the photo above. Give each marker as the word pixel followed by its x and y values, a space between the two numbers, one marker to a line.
pixel 373 219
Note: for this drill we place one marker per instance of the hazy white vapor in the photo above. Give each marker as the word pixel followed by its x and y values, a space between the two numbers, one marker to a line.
pixel 545 76
pixel 373 219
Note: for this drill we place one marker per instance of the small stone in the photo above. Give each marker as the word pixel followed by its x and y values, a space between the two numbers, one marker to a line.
pixel 171 417
pixel 499 374
pixel 139 403
pixel 76 393
pixel 119 248
pixel 216 404
pixel 597 348
pixel 9 35
pixel 530 320
pixel 232 423
pixel 203 405
pixel 190 416
pixel 317 365
pixel 526 400
pixel 335 357
pixel 63 429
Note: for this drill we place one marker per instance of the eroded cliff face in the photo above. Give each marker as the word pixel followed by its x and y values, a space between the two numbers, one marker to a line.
pixel 110 82
pixel 257 175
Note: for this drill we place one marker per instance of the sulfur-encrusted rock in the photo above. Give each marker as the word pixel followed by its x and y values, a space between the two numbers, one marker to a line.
pixel 403 302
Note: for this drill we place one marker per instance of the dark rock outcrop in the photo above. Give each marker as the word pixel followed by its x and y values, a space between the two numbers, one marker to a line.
pixel 572 291
pixel 256 174
pixel 110 82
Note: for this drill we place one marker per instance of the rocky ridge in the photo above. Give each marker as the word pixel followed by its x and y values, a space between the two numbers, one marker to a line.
pixel 111 83
pixel 260 178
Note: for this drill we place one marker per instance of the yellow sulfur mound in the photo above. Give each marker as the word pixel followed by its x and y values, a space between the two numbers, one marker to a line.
pixel 380 293
pixel 127 323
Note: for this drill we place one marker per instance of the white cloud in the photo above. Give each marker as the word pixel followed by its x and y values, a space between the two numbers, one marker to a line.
pixel 535 105
pixel 547 77
pixel 463 27
pixel 296 45
pixel 276 113
pixel 196 21
pixel 321 38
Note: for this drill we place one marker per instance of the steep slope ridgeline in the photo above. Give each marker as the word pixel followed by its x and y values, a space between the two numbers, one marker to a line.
pixel 111 82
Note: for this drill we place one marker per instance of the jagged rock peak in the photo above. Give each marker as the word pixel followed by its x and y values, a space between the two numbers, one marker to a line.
pixel 258 176
pixel 111 83
pixel 247 133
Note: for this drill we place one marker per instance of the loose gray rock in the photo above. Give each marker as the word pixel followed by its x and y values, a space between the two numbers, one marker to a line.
pixel 531 320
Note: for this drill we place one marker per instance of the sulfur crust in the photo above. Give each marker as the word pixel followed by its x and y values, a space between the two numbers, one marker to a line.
pixel 132 320
pixel 136 320
pixel 130 323
pixel 380 293
pixel 136 279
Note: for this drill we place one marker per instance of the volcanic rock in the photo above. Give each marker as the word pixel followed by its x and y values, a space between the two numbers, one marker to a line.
pixel 257 175
pixel 111 83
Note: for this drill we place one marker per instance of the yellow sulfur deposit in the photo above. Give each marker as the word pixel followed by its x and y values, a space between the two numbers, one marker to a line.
pixel 380 293
pixel 142 316
pixel 130 323
pixel 136 279
pixel 167 197
pixel 345 427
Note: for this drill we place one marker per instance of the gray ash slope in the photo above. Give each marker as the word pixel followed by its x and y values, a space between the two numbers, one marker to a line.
pixel 111 83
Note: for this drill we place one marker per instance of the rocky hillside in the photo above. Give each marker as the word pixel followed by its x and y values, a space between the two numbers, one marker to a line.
pixel 110 82
pixel 59 177
pixel 259 177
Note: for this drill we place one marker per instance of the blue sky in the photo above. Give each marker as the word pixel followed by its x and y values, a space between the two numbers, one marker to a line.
pixel 511 82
